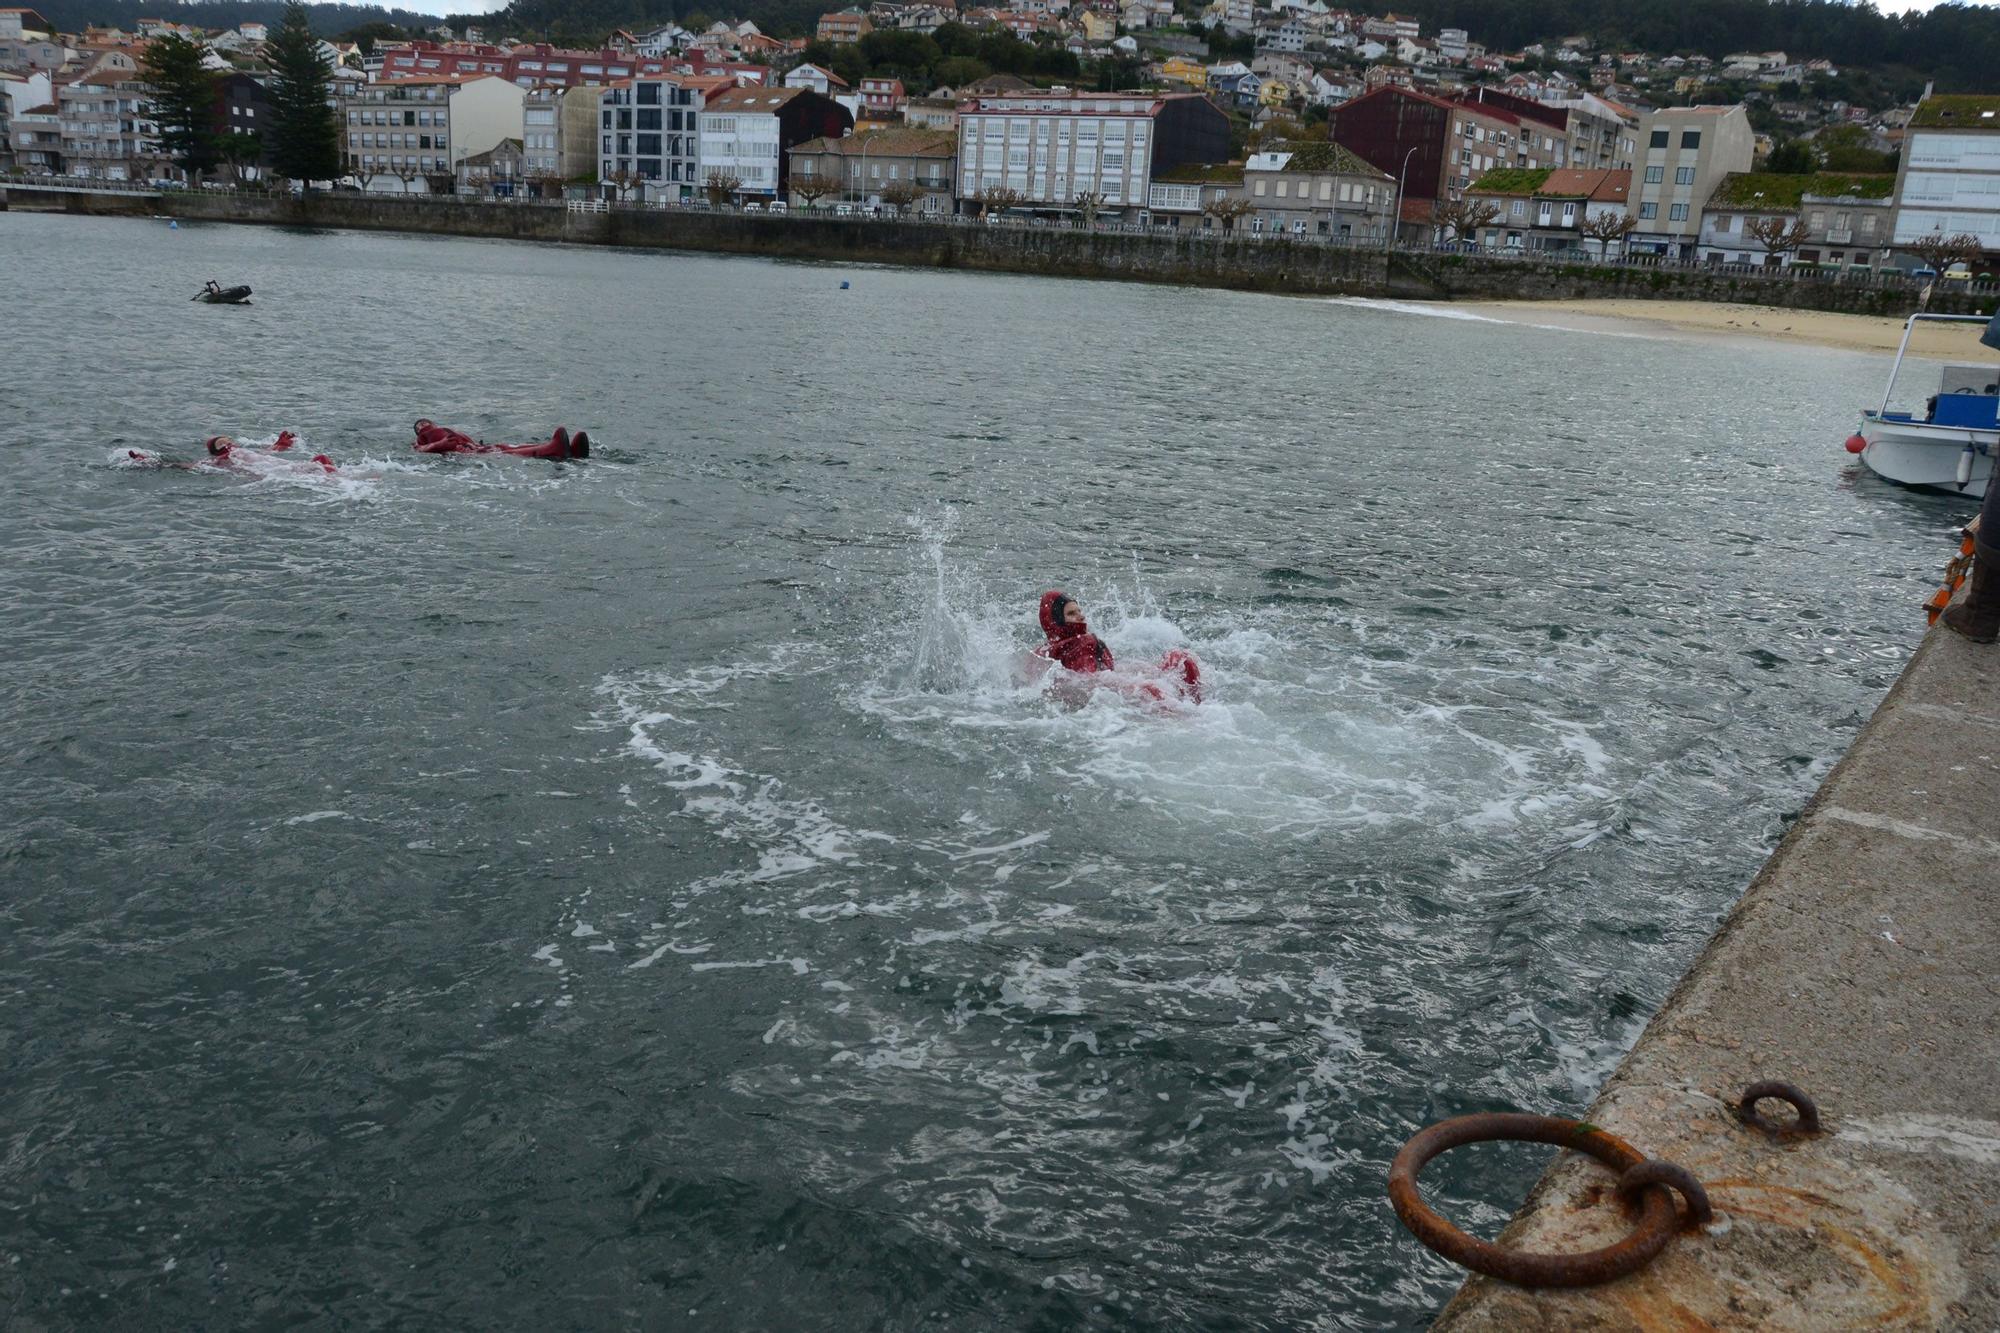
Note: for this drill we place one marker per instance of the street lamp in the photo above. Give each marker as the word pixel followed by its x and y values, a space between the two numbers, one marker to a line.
pixel 1402 178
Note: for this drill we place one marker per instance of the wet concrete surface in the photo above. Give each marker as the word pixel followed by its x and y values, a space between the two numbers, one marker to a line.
pixel 1863 965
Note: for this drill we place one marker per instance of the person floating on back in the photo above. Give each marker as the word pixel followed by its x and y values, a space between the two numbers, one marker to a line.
pixel 1072 646
pixel 435 439
pixel 224 451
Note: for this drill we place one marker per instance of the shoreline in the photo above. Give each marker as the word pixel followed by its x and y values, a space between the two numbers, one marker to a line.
pixel 1765 323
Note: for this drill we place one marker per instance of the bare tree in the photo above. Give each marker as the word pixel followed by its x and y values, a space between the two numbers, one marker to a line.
pixel 407 173
pixel 998 199
pixel 813 188
pixel 1227 208
pixel 1608 227
pixel 1939 252
pixel 622 182
pixel 900 194
pixel 1462 217
pixel 1778 234
pixel 720 185
pixel 1090 204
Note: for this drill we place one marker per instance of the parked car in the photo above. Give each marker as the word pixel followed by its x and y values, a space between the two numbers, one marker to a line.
pixel 843 210
pixel 1957 273
pixel 778 206
pixel 1924 273
pixel 753 207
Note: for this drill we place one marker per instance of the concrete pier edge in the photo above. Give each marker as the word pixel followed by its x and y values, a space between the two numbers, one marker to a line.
pixel 1863 964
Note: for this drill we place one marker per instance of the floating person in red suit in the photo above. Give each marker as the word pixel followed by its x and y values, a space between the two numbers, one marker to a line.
pixel 224 451
pixel 1073 647
pixel 435 439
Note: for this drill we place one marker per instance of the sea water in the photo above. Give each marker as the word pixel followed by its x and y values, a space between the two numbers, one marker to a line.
pixel 495 892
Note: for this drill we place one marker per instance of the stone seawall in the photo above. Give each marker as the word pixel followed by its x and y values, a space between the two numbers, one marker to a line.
pixel 1246 262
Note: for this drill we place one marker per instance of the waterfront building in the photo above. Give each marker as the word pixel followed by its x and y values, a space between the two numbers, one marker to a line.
pixel 867 164
pixel 409 136
pixel 1847 219
pixel 1437 146
pixel 1317 189
pixel 1683 154
pixel 499 171
pixel 29 42
pixel 242 107
pixel 647 134
pixel 1049 147
pixel 747 135
pixel 1178 198
pixel 105 129
pixel 1948 181
pixel 30 124
pixel 1544 210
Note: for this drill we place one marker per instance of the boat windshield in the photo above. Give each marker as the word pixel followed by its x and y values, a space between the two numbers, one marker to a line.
pixel 1911 386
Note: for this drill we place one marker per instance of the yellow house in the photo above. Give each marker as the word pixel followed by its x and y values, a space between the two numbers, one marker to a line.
pixel 1275 92
pixel 1179 69
pixel 1098 27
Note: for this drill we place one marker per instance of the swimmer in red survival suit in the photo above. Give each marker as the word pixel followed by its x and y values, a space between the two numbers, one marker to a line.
pixel 435 439
pixel 223 451
pixel 1072 645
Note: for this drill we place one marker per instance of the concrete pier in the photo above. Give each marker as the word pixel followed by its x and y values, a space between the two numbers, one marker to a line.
pixel 1863 964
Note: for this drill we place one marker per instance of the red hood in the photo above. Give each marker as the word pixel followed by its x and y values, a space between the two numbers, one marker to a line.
pixel 1072 645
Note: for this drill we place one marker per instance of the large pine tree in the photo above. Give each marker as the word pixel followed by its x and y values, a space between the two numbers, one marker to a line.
pixel 305 134
pixel 183 102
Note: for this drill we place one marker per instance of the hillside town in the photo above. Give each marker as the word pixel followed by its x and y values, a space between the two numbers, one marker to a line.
pixel 1295 119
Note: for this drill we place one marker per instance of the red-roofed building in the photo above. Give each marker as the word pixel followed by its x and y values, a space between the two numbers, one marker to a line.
pixel 539 65
pixel 747 135
pixel 1436 146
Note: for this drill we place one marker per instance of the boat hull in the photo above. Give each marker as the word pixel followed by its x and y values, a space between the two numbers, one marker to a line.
pixel 1912 453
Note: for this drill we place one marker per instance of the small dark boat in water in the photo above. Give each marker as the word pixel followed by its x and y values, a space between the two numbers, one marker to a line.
pixel 216 294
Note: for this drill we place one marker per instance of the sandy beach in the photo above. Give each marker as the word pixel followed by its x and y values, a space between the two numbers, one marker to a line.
pixel 1859 333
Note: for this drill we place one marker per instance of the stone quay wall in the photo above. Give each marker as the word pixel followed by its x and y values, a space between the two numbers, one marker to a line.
pixel 1243 261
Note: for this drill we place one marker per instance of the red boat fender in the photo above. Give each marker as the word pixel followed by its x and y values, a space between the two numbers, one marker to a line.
pixel 1856 443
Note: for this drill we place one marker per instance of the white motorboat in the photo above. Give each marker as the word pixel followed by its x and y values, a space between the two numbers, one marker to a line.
pixel 1950 441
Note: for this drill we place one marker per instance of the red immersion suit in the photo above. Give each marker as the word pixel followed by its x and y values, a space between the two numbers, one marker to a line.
pixel 1075 647
pixel 435 439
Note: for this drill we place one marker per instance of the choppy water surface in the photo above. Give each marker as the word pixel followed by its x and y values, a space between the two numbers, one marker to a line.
pixel 493 892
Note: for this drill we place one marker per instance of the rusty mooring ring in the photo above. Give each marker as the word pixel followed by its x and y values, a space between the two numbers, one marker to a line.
pixel 1747 1112
pixel 1676 1178
pixel 1658 1220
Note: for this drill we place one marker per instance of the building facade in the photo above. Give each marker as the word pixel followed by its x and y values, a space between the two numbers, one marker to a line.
pixel 1544 212
pixel 410 135
pixel 1050 147
pixel 105 130
pixel 1948 182
pixel 747 135
pixel 1317 189
pixel 1435 147
pixel 1683 154
pixel 913 161
pixel 648 134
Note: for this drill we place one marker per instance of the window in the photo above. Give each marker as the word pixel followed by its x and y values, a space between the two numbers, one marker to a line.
pixel 1258 189
pixel 649 94
pixel 1519 208
pixel 1818 222
pixel 1683 175
pixel 1648 212
pixel 1690 139
pixel 649 120
pixel 1284 189
pixel 1659 139
pixel 649 144
pixel 1677 213
pixel 1569 215
pixel 1724 224
pixel 1654 175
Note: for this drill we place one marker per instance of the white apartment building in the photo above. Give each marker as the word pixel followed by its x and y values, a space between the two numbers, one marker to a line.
pixel 1949 179
pixel 1682 155
pixel 739 137
pixel 1051 146
pixel 400 137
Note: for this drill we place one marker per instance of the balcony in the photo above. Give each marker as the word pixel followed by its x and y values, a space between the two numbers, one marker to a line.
pixel 1844 236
